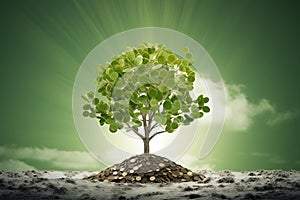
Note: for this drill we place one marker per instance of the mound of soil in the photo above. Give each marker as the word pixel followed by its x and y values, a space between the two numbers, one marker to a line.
pixel 146 168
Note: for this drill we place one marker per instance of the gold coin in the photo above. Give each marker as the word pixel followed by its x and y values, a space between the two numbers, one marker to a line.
pixel 131 171
pixel 122 169
pixel 115 173
pixel 124 173
pixel 135 168
pixel 138 178
pixel 161 164
pixel 132 160
pixel 189 173
pixel 180 174
pixel 152 178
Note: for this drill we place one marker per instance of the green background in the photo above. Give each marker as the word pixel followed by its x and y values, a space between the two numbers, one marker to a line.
pixel 253 43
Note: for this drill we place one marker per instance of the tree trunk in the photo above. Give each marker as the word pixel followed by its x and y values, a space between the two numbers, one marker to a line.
pixel 146 145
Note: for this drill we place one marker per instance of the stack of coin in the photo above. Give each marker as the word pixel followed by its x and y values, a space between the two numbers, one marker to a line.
pixel 147 168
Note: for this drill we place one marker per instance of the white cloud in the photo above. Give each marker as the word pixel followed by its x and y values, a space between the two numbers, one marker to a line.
pixel 15 165
pixel 73 160
pixel 240 112
pixel 281 117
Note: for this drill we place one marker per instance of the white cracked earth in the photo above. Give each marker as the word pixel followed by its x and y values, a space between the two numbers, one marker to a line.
pixel 260 184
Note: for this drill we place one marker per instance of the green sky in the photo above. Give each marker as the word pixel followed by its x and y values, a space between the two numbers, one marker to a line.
pixel 254 44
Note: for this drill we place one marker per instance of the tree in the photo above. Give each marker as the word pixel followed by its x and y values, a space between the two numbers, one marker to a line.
pixel 146 90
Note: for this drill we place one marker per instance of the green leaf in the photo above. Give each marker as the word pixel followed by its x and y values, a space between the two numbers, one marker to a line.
pixel 143 98
pixel 86 107
pixel 194 108
pixel 113 127
pixel 195 115
pixel 113 63
pixel 188 55
pixel 185 50
pixel 167 105
pixel 131 55
pixel 114 75
pixel 90 95
pixel 206 99
pixel 169 129
pixel 159 96
pixel 191 79
pixel 161 59
pixel 95 101
pixel 109 120
pixel 171 58
pixel 162 88
pixel 188 118
pixel 102 121
pixel 158 118
pixel 144 110
pixel 118 116
pixel 143 79
pixel 92 115
pixel 174 125
pixel 176 105
pixel 86 113
pixel 185 108
pixel 201 114
pixel 103 106
pixel 170 83
pixel 152 93
pixel 138 60
pixel 182 85
pixel 153 102
pixel 180 118
pixel 154 108
pixel 126 118
pixel 154 74
pixel 135 128
pixel 182 68
pixel 206 109
pixel 137 122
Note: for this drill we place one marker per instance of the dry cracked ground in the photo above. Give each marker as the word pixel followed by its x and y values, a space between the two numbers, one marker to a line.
pixel 261 184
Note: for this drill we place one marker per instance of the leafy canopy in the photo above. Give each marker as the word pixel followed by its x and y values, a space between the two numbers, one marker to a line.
pixel 146 88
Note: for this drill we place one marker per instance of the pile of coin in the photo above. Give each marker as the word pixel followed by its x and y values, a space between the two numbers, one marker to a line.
pixel 146 168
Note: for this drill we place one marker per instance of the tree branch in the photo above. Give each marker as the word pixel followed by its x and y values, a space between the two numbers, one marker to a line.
pixel 145 126
pixel 150 116
pixel 156 134
pixel 135 131
pixel 155 125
